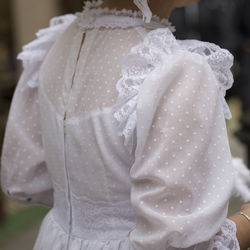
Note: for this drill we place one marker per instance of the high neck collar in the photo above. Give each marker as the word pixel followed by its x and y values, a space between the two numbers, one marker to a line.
pixel 94 16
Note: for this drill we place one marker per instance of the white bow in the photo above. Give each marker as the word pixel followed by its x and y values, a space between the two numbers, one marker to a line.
pixel 143 6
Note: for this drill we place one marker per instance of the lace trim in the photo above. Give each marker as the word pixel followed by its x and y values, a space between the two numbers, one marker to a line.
pixel 226 238
pixel 94 216
pixel 146 56
pixel 142 60
pixel 92 17
pixel 89 5
pixel 220 60
pixel 33 53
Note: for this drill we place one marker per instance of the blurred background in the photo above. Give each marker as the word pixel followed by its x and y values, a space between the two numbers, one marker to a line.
pixel 226 23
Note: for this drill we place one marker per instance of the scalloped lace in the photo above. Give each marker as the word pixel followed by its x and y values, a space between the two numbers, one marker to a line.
pixel 143 59
pixel 220 60
pixel 146 56
pixel 226 239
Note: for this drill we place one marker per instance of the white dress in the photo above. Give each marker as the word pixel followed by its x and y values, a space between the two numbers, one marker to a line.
pixel 120 129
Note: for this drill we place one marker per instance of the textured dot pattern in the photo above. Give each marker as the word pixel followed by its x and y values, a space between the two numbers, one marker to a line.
pixel 78 163
pixel 23 165
pixel 177 178
pixel 84 80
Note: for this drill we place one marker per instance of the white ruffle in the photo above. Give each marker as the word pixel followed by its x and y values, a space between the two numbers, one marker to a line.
pixel 52 236
pixel 93 17
pixel 220 60
pixel 33 53
pixel 142 60
pixel 226 239
pixel 91 7
pixel 145 57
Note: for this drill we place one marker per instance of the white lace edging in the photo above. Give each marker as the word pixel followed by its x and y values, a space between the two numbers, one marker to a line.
pixel 226 238
pixel 88 21
pixel 142 60
pixel 220 60
pixel 90 6
pixel 146 56
pixel 33 53
pixel 93 16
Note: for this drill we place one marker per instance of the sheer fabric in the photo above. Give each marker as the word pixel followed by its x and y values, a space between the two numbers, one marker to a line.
pixel 120 128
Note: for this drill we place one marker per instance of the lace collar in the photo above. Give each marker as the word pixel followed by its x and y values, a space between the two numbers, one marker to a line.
pixel 93 16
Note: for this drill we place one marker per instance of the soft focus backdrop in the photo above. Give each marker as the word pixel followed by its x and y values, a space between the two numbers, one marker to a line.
pixel 226 23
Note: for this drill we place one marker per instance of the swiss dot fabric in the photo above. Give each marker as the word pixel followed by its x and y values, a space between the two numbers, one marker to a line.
pixel 177 181
pixel 120 129
pixel 96 80
pixel 24 174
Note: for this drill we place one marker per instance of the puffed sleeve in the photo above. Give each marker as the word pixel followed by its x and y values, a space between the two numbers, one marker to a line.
pixel 182 177
pixel 24 175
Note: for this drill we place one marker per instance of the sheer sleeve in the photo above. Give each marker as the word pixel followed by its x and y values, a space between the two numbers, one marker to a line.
pixel 24 175
pixel 182 177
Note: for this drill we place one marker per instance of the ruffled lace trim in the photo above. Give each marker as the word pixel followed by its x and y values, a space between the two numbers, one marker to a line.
pixel 142 60
pixel 220 60
pixel 93 17
pixel 226 238
pixel 33 53
pixel 146 56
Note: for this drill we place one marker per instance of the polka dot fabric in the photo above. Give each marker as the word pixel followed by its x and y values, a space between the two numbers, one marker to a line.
pixel 24 175
pixel 92 89
pixel 182 158
pixel 64 147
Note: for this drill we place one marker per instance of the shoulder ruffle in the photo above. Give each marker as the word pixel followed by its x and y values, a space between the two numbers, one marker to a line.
pixel 33 53
pixel 142 60
pixel 220 60
pixel 148 55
